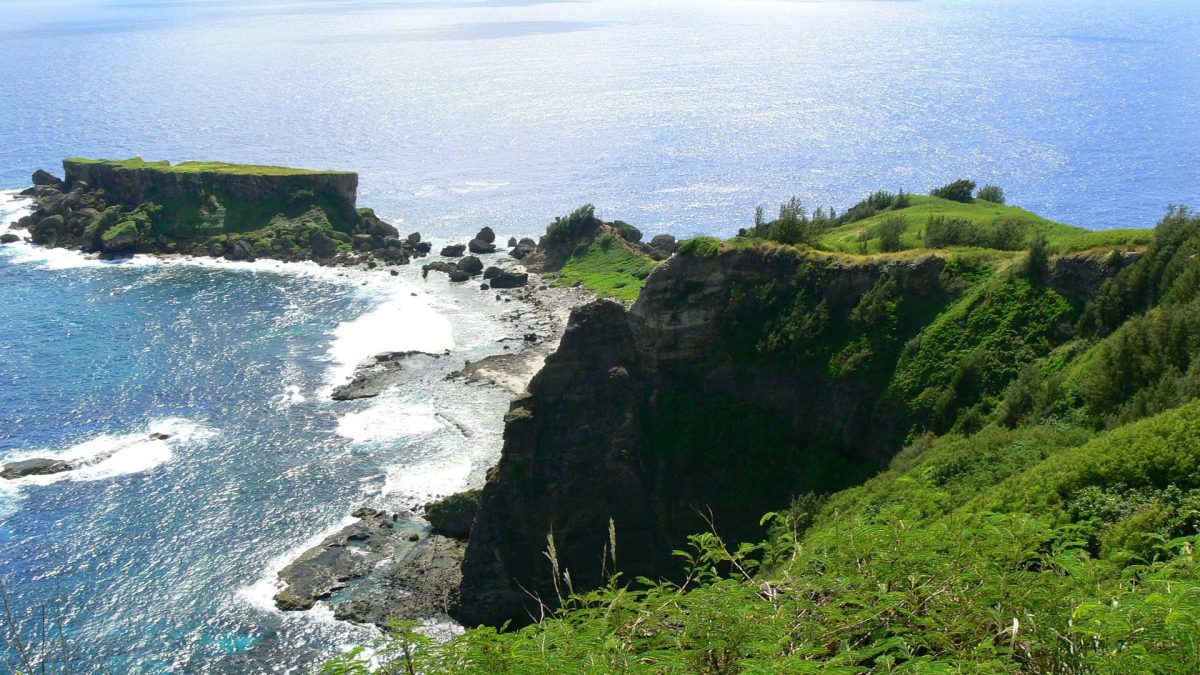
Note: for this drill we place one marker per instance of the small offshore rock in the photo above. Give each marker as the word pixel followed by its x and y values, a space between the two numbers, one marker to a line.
pixel 481 246
pixel 42 177
pixel 512 241
pixel 414 238
pixel 459 276
pixel 33 467
pixel 471 265
pixel 491 272
pixel 486 235
pixel 8 238
pixel 454 251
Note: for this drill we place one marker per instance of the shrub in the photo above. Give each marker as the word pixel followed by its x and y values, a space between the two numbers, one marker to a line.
pixel 991 193
pixel 958 191
pixel 889 233
pixel 572 226
pixel 1037 265
pixel 901 200
pixel 701 247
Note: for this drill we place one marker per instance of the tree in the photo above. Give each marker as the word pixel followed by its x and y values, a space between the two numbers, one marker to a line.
pixel 1037 265
pixel 889 233
pixel 958 191
pixel 991 193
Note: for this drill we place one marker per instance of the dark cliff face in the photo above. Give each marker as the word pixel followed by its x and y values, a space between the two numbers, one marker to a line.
pixel 130 187
pixel 661 419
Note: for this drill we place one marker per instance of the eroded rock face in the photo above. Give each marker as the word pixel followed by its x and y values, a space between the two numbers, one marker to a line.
pixel 645 419
pixel 1079 276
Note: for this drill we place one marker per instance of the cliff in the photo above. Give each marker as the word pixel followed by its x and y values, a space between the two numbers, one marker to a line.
pixel 658 419
pixel 742 378
pixel 215 184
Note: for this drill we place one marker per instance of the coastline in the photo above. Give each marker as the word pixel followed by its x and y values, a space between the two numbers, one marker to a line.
pixel 528 321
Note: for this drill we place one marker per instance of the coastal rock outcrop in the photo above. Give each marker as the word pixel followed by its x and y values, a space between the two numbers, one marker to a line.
pixel 452 516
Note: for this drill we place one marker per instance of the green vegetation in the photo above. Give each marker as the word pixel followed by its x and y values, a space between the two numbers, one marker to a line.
pixel 1042 516
pixel 608 266
pixel 958 191
pixel 202 167
pixel 991 193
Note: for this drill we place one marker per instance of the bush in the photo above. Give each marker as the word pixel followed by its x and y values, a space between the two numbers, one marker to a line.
pixel 701 247
pixel 991 193
pixel 958 191
pixel 578 223
pixel 890 231
pixel 1005 234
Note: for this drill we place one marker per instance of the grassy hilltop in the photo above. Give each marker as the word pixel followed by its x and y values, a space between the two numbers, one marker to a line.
pixel 202 167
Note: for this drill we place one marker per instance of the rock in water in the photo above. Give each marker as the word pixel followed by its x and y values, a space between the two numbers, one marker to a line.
pixel 523 248
pixel 33 467
pixel 454 250
pixel 481 246
pixel 486 235
pixel 512 241
pixel 9 238
pixel 510 280
pixel 453 515
pixel 471 265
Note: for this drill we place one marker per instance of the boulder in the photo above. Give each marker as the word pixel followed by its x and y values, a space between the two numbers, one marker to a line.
pixel 361 242
pixel 239 249
pixel 512 241
pixel 491 272
pixel 438 266
pixel 664 242
pixel 523 248
pixel 375 227
pixel 414 238
pixel 121 239
pixel 454 251
pixel 487 235
pixel 322 245
pixel 453 515
pixel 41 177
pixel 33 467
pixel 459 275
pixel 510 280
pixel 9 238
pixel 481 246
pixel 471 265
pixel 424 247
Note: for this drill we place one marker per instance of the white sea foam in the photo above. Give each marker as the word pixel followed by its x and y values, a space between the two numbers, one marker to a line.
pixel 388 419
pixel 261 594
pixel 402 323
pixel 420 483
pixel 107 455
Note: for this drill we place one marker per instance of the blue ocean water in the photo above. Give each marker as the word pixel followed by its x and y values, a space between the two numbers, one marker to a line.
pixel 679 116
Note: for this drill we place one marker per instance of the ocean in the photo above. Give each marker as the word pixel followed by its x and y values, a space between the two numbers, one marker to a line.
pixel 676 116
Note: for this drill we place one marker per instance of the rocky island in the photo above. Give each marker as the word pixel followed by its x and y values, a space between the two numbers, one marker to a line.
pixel 234 211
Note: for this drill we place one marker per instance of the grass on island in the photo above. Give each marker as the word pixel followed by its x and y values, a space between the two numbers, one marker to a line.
pixel 204 167
pixel 1063 238
pixel 608 267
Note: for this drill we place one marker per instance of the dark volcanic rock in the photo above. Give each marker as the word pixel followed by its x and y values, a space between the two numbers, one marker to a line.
pixel 471 265
pixel 375 227
pixel 8 238
pixel 438 266
pixel 459 276
pixel 664 242
pixel 33 467
pixel 42 177
pixel 423 583
pixel 322 245
pixel 414 238
pixel 486 235
pixel 491 272
pixel 374 376
pixel 453 515
pixel 347 554
pixel 512 241
pixel 481 246
pixel 523 248
pixel 510 280
pixel 454 250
